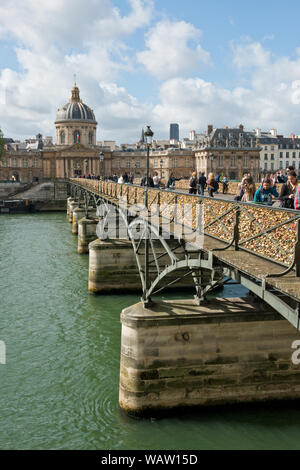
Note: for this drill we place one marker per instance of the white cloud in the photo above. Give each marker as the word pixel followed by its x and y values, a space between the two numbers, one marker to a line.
pixel 250 55
pixel 271 100
pixel 69 23
pixel 170 53
pixel 56 39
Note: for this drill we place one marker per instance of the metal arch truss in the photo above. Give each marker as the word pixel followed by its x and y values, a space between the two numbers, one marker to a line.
pixel 83 197
pixel 170 260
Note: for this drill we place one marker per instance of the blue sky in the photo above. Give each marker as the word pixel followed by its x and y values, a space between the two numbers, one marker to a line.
pixel 150 61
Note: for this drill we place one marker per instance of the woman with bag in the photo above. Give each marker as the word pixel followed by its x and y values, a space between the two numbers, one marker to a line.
pixel 288 191
pixel 212 185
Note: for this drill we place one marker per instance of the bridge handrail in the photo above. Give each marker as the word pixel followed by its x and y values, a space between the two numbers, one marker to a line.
pixel 269 232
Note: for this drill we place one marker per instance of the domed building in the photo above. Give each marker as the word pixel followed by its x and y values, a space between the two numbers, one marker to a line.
pixel 75 122
pixel 76 152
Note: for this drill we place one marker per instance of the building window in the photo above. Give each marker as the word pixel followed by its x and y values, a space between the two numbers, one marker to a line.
pixel 281 154
pixel 155 163
pixel 91 137
pixel 287 154
pixel 233 162
pixel 128 164
pixel 246 162
pixel 272 157
pixel 62 137
pixel 76 137
pixel 138 164
pixel 294 154
pixel 36 163
pixel 221 161
pixel 281 165
pixel 14 163
pixel 266 166
pixel 266 156
pixel 272 166
pixel 25 162
pixel 287 164
pixel 294 164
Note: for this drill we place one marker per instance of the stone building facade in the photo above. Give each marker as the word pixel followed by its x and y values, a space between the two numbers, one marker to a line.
pixel 230 152
pixel 21 165
pixel 180 163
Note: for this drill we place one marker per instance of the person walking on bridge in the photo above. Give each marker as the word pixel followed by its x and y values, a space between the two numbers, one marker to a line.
pixel 212 185
pixel 193 184
pixel 202 183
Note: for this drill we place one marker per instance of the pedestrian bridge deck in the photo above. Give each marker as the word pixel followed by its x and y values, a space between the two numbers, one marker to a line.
pixel 256 243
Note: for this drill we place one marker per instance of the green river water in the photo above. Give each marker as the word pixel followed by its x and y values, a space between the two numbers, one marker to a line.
pixel 59 388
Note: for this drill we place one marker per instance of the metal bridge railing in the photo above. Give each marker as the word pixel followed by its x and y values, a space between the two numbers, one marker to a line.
pixel 267 232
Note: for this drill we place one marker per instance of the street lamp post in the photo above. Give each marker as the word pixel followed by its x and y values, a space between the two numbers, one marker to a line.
pixel 101 156
pixel 149 137
pixel 161 168
pixel 211 157
pixel 86 166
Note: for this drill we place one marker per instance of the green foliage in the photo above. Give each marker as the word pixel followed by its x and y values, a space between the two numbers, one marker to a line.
pixel 2 142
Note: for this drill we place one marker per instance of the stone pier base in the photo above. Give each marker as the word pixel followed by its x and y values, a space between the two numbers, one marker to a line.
pixel 72 206
pixel 86 234
pixel 112 267
pixel 78 214
pixel 70 200
pixel 178 355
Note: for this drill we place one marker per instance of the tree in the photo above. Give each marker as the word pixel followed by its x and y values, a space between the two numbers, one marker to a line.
pixel 2 143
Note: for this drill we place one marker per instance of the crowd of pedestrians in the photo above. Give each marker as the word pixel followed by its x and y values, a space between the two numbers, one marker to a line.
pixel 198 184
pixel 265 193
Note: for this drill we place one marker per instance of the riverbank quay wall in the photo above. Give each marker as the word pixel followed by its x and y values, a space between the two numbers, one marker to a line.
pixel 45 197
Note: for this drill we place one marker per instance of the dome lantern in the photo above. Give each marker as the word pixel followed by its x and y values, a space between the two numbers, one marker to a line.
pixel 75 98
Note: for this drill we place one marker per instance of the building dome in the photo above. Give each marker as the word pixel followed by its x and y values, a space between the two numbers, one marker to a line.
pixel 75 110
pixel 75 122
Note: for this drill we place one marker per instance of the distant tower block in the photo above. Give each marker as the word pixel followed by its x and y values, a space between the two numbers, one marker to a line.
pixel 174 132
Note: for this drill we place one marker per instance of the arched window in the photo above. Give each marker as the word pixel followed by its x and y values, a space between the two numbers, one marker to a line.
pixel 91 136
pixel 76 137
pixel 62 137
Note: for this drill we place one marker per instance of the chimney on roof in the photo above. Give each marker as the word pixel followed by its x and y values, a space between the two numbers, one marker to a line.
pixel 210 129
pixel 241 127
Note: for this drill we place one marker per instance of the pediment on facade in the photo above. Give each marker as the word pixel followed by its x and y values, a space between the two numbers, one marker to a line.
pixel 77 150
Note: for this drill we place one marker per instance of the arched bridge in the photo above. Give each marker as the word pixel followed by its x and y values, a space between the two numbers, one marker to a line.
pixel 256 246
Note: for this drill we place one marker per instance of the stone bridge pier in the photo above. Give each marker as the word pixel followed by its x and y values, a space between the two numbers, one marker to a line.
pixel 179 355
